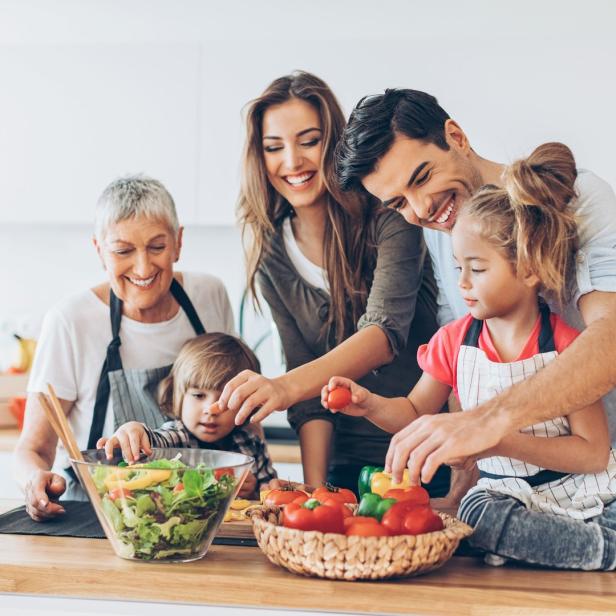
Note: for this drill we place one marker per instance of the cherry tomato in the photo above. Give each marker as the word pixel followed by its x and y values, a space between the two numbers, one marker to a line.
pixel 342 495
pixel 338 398
pixel 414 494
pixel 221 472
pixel 282 496
pixel 178 487
pixel 367 529
pixel 116 493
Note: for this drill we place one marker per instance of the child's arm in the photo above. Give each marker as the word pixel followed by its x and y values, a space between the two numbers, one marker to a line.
pixel 586 450
pixel 391 414
pixel 263 467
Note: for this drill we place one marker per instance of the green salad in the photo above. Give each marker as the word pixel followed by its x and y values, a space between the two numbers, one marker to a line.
pixel 163 508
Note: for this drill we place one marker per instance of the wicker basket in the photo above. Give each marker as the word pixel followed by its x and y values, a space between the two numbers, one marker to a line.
pixel 339 557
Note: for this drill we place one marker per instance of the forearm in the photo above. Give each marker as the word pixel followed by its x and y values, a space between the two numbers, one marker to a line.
pixel 583 373
pixel 567 454
pixel 365 350
pixel 391 414
pixel 26 461
pixel 315 437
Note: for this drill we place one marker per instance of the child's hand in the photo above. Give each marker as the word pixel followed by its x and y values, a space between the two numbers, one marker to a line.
pixel 249 487
pixel 360 398
pixel 131 437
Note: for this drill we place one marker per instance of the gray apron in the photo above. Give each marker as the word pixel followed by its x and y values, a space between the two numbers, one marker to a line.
pixel 132 392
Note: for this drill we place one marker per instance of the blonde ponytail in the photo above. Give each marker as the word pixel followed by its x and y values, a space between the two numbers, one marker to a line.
pixel 530 218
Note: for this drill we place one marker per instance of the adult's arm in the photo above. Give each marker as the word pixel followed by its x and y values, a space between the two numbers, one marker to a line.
pixel 581 374
pixel 32 460
pixel 382 330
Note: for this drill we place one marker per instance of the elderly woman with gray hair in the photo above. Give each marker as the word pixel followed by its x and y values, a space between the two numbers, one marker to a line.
pixel 105 349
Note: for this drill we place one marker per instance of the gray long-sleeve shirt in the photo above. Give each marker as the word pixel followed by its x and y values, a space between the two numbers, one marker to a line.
pixel 401 301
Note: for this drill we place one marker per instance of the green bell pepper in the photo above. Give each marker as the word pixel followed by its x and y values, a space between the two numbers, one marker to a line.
pixel 374 506
pixel 365 477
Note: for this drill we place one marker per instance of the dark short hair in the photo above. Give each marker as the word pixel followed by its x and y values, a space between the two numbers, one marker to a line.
pixel 373 126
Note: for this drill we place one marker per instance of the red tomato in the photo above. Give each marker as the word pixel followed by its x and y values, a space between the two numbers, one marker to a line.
pixel 414 494
pixel 409 519
pixel 338 398
pixel 116 493
pixel 221 472
pixel 341 495
pixel 359 519
pixel 330 502
pixel 321 518
pixel 283 496
pixel 178 487
pixel 367 529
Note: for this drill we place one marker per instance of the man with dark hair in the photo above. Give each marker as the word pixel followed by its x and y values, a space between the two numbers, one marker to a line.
pixel 403 148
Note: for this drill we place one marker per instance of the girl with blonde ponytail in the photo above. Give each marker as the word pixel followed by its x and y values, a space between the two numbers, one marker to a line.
pixel 539 487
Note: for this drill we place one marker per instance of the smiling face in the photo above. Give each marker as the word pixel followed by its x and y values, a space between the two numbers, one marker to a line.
pixel 425 183
pixel 203 418
pixel 292 150
pixel 138 255
pixel 488 282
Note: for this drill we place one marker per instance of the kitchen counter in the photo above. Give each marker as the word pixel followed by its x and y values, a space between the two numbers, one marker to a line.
pixel 242 576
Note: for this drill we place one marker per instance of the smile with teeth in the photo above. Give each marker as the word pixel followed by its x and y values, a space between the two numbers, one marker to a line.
pixel 142 282
pixel 444 217
pixel 302 178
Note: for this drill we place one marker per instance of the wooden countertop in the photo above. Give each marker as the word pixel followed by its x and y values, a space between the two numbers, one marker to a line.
pixel 87 568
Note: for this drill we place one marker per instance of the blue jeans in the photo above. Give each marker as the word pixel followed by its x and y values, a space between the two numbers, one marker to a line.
pixel 504 526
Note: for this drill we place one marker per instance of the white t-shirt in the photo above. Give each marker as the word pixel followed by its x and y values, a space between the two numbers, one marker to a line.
pixel 75 334
pixel 309 271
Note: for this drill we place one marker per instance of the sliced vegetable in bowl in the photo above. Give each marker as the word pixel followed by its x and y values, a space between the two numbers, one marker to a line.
pixel 168 507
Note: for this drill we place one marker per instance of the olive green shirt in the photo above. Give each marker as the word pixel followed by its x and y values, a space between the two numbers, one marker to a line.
pixel 401 301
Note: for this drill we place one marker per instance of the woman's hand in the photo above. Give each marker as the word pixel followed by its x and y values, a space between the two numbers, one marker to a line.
pixel 360 398
pixel 249 487
pixel 248 391
pixel 41 490
pixel 131 437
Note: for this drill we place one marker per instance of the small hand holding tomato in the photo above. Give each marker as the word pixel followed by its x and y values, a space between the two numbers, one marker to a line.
pixel 342 395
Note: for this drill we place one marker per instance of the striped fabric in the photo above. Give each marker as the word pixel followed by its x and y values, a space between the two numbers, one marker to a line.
pixel 577 496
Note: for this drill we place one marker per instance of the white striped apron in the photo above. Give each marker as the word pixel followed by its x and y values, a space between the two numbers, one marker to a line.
pixel 479 379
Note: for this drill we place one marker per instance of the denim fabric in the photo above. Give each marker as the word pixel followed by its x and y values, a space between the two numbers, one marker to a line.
pixel 503 526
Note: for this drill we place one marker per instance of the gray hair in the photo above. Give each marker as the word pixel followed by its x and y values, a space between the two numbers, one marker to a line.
pixel 134 196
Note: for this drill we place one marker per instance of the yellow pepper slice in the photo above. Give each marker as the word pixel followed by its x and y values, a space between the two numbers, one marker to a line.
pixel 146 479
pixel 381 482
pixel 240 503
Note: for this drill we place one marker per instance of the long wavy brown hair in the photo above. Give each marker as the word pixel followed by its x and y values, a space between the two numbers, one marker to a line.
pixel 349 252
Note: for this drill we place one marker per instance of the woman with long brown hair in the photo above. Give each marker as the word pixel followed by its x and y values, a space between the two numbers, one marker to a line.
pixel 348 284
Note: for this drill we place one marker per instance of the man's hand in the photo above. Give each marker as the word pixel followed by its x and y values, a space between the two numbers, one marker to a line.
pixel 430 441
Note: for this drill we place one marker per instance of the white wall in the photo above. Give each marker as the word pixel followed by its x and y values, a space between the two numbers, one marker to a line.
pixel 80 103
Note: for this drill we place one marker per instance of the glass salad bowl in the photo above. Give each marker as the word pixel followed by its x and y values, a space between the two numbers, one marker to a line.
pixel 168 506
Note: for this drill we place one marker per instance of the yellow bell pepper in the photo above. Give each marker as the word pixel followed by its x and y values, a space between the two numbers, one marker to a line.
pixel 145 479
pixel 381 482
